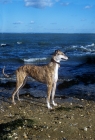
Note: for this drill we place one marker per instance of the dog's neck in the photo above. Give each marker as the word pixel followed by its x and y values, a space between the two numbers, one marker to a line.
pixel 52 60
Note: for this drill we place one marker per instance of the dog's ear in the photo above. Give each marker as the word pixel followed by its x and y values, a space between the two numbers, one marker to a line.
pixel 56 51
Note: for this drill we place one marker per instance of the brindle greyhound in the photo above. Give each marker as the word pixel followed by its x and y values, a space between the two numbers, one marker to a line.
pixel 47 74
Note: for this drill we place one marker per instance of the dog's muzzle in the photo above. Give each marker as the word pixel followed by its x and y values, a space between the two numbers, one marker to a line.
pixel 65 58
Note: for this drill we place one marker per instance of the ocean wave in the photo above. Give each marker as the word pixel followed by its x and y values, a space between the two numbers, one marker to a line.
pixel 34 59
pixel 19 43
pixel 10 44
pixel 80 48
pixel 91 45
pixel 4 44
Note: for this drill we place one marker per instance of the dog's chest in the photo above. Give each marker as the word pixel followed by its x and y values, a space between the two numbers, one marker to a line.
pixel 55 77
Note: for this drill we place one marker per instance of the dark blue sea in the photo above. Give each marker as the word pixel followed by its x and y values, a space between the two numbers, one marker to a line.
pixel 77 74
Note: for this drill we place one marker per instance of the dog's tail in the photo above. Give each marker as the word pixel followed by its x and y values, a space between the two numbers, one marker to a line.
pixel 6 75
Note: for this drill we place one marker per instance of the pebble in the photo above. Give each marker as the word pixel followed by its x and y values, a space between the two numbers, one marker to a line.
pixel 48 136
pixel 14 134
pixel 82 115
pixel 35 126
pixel 72 118
pixel 55 129
pixel 9 136
pixel 19 127
pixel 16 138
pixel 25 136
pixel 85 128
pixel 47 127
pixel 41 129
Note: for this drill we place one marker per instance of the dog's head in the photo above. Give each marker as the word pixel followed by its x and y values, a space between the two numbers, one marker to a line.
pixel 58 56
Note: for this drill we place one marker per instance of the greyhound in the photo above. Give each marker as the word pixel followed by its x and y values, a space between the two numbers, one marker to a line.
pixel 47 74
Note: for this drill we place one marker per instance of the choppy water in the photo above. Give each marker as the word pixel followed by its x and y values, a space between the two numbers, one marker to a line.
pixel 20 49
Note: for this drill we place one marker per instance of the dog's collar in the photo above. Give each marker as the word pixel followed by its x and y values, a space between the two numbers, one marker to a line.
pixel 52 60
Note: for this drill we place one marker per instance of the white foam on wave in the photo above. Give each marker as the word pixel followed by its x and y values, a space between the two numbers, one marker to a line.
pixel 91 48
pixel 91 45
pixel 84 49
pixel 3 44
pixel 74 46
pixel 19 43
pixel 34 59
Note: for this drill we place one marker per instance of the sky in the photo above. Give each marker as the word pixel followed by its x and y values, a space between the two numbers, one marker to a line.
pixel 47 16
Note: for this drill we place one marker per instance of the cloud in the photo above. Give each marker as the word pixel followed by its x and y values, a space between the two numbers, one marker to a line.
pixel 88 7
pixel 65 3
pixel 18 22
pixel 38 3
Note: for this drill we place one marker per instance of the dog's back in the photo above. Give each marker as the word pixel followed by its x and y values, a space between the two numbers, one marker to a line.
pixel 42 74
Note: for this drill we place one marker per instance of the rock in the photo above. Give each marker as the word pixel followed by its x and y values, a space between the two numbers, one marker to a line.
pixel 10 84
pixel 25 136
pixel 84 78
pixel 67 84
pixel 85 128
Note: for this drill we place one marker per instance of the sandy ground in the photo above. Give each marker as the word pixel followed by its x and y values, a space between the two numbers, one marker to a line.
pixel 72 119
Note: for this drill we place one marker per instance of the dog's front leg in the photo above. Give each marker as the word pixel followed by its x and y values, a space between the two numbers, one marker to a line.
pixel 53 93
pixel 49 88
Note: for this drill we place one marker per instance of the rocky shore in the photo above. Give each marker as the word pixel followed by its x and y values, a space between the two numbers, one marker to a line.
pixel 72 119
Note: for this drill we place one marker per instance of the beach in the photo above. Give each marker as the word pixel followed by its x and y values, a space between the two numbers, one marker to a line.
pixel 30 119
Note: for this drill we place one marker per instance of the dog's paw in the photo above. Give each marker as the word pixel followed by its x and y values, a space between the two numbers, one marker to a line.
pixel 55 104
pixel 20 100
pixel 49 107
pixel 14 103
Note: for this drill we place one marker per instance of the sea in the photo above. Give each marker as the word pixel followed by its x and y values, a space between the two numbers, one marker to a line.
pixel 17 49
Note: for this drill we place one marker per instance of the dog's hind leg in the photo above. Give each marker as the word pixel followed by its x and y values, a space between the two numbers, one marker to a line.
pixel 20 82
pixel 53 93
pixel 49 88
pixel 18 95
pixel 16 91
pixel 20 88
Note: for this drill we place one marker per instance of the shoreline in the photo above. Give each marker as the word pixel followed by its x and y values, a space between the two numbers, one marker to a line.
pixel 72 119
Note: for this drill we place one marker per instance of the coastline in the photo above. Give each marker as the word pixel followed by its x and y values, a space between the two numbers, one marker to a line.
pixel 72 119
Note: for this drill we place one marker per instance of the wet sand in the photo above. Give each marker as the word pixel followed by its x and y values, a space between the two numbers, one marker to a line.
pixel 72 119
